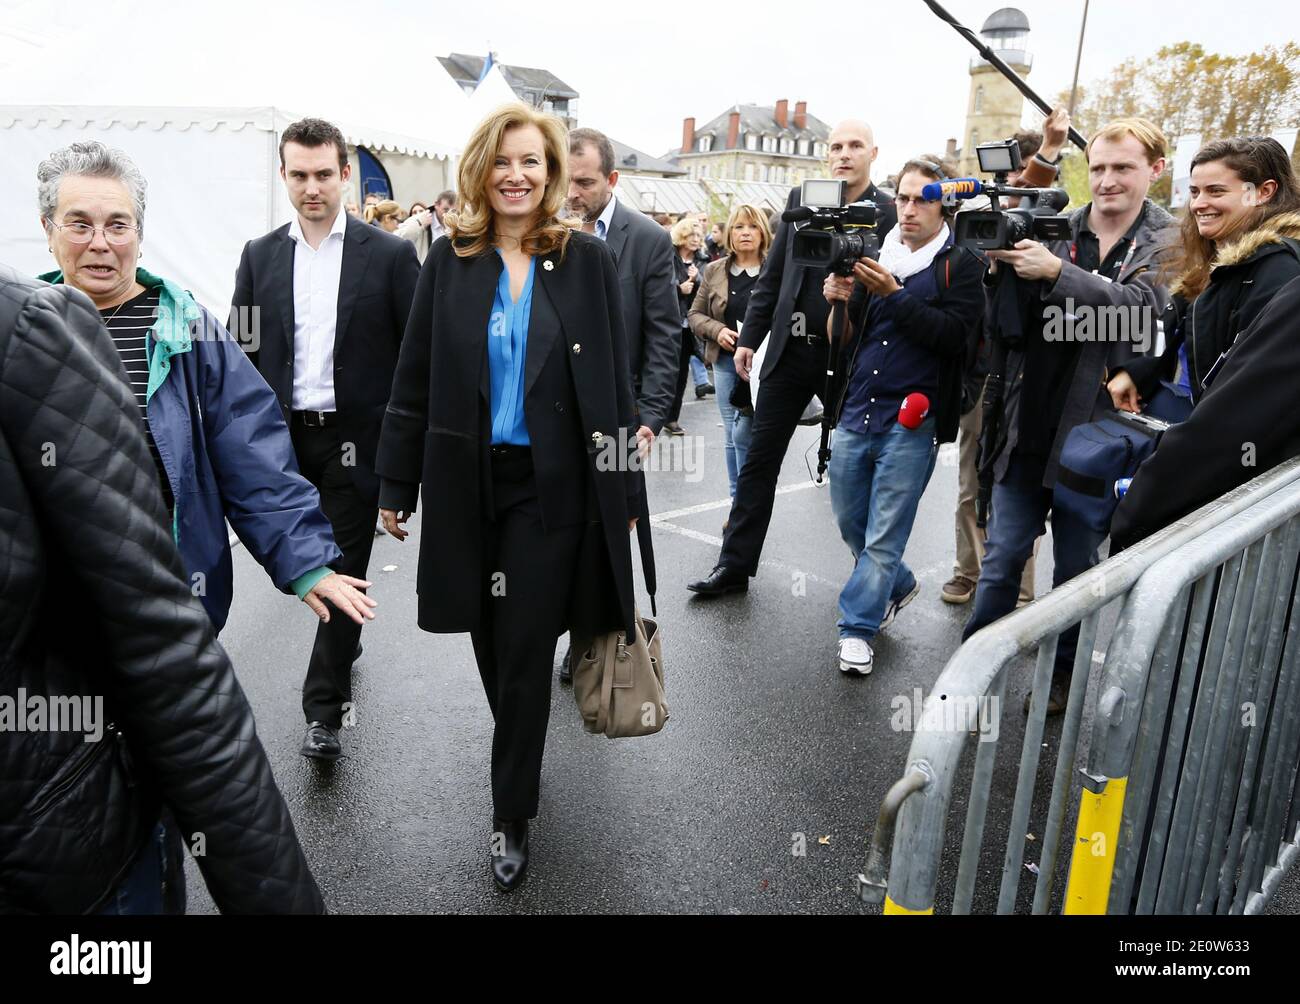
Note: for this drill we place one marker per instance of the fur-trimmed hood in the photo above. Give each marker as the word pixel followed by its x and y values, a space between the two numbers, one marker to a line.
pixel 1270 232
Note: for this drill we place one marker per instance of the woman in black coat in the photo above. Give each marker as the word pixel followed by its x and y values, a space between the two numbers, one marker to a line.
pixel 1228 371
pixel 512 411
pixel 1240 244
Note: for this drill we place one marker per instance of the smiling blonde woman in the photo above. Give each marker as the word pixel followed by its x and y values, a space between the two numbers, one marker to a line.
pixel 513 378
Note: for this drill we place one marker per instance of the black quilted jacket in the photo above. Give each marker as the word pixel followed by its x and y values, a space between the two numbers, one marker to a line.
pixel 93 602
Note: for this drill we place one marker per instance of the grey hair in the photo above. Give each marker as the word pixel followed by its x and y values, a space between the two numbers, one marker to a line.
pixel 90 159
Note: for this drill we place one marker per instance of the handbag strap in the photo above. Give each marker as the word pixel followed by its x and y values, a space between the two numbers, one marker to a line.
pixel 646 547
pixel 606 687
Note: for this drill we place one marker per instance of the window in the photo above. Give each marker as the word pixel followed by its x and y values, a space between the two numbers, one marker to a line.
pixel 769 144
pixel 803 148
pixel 763 172
pixel 974 139
pixel 751 141
pixel 979 98
pixel 819 150
pixel 704 170
pixel 704 144
pixel 778 175
pixel 749 171
pixel 787 146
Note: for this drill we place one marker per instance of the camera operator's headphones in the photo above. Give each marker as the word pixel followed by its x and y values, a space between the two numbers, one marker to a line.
pixel 947 207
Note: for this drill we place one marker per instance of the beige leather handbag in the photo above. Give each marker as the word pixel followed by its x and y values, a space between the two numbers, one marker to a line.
pixel 620 687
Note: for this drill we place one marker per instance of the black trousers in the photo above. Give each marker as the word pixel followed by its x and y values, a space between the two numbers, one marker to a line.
pixel 683 371
pixel 800 373
pixel 527 584
pixel 329 671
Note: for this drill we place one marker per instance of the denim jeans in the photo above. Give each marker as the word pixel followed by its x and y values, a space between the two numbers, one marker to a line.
pixel 1019 512
pixel 699 372
pixel 877 480
pixel 155 883
pixel 735 426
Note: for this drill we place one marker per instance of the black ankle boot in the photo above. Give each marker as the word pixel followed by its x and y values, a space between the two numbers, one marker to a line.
pixel 510 837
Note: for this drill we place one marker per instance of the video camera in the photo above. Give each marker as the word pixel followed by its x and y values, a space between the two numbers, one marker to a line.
pixel 829 234
pixel 999 229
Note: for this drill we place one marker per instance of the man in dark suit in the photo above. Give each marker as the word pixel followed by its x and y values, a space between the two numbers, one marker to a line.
pixel 644 255
pixel 331 297
pixel 788 303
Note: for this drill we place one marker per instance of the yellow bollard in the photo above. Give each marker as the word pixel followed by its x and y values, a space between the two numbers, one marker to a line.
pixel 1093 861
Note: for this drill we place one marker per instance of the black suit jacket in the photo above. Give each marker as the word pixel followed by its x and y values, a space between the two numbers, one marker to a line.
pixel 376 286
pixel 651 317
pixel 776 292
pixel 578 409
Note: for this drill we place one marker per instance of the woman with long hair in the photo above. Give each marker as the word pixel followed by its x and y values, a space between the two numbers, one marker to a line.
pixel 512 414
pixel 717 312
pixel 1234 341
pixel 1240 244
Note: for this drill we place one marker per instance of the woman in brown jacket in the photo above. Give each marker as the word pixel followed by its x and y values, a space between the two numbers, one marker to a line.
pixel 718 312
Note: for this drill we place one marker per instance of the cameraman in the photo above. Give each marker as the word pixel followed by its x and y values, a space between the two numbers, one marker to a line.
pixel 1039 154
pixel 1117 242
pixel 787 301
pixel 916 315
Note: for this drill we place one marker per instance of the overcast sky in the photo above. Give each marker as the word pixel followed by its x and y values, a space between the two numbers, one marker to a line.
pixel 640 68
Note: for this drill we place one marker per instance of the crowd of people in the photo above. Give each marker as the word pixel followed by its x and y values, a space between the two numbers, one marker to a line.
pixel 476 358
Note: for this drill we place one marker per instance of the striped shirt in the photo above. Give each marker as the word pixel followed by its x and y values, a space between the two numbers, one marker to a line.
pixel 129 324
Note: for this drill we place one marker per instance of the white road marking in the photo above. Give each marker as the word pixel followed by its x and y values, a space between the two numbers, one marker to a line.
pixel 722 503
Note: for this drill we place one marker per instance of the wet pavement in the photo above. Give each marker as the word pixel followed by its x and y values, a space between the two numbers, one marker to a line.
pixel 759 794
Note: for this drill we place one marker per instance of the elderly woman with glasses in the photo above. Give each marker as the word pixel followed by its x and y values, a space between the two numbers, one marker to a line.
pixel 219 443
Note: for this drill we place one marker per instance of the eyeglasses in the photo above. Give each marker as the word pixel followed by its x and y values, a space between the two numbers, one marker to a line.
pixel 84 233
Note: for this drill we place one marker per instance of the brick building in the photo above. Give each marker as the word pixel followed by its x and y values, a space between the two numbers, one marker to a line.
pixel 760 143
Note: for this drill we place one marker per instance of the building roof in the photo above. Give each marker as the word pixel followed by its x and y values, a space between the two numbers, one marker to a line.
pixel 466 69
pixel 631 159
pixel 760 119
pixel 1006 19
pixel 682 195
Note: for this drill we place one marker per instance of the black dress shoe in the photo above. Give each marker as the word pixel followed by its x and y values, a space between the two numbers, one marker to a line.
pixel 356 656
pixel 321 742
pixel 721 580
pixel 510 837
pixel 566 666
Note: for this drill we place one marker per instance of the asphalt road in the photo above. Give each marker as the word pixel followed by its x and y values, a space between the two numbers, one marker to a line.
pixel 758 796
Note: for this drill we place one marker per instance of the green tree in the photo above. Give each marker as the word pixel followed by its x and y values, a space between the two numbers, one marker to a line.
pixel 1185 89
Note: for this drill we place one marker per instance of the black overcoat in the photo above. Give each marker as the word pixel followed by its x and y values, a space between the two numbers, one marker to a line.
pixel 578 408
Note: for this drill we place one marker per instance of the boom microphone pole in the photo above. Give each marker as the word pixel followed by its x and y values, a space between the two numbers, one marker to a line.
pixel 993 60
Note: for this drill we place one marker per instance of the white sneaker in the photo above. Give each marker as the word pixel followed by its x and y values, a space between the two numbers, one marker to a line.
pixel 855 656
pixel 892 608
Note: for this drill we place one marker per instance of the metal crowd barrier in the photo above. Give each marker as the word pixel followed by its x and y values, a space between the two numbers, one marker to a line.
pixel 1180 811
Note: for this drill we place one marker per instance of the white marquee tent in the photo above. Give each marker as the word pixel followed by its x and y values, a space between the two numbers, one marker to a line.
pixel 199 104
pixel 213 176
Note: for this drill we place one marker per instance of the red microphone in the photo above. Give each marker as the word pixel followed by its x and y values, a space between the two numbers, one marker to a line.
pixel 913 410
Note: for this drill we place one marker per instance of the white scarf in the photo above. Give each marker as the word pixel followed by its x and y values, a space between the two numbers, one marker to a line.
pixel 902 261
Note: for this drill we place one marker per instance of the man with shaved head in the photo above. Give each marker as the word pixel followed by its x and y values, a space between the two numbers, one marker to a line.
pixel 788 304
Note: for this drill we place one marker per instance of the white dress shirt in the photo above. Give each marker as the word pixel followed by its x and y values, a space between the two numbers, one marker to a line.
pixel 606 215
pixel 315 315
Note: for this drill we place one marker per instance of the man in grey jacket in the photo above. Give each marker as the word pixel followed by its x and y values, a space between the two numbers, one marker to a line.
pixel 647 280
pixel 644 255
pixel 1085 304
